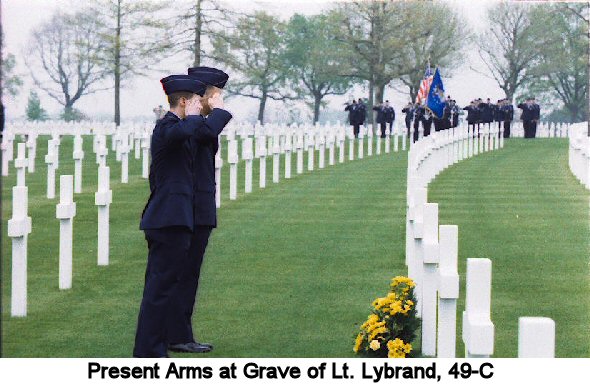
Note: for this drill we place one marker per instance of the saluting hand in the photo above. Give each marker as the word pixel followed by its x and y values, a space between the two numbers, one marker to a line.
pixel 193 107
pixel 216 101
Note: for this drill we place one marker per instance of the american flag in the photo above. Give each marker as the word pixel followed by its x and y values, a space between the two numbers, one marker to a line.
pixel 425 85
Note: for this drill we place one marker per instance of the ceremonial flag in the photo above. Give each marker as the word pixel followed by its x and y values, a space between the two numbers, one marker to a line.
pixel 424 85
pixel 436 96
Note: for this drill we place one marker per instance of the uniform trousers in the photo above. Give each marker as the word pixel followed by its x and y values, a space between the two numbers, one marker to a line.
pixel 507 129
pixel 180 328
pixel 356 130
pixel 530 128
pixel 171 279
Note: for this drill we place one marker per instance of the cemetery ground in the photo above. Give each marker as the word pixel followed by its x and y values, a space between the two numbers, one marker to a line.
pixel 292 268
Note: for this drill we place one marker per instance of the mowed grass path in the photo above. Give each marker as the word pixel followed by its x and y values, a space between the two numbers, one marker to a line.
pixel 291 270
pixel 522 208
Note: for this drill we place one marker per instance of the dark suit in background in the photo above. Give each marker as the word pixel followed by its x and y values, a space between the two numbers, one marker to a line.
pixel 508 110
pixel 527 117
pixel 409 111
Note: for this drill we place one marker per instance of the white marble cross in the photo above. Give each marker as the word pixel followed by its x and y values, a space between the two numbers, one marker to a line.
pixel 536 337
pixel 448 291
pixel 103 198
pixel 478 329
pixel 19 227
pixel 78 155
pixel 65 211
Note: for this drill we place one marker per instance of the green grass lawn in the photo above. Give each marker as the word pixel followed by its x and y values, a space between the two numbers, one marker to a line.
pixel 522 208
pixel 292 269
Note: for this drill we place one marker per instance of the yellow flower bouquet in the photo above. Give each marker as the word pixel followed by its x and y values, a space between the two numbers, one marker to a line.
pixel 392 325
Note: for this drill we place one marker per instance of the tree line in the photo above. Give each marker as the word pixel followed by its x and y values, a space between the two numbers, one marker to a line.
pixel 527 48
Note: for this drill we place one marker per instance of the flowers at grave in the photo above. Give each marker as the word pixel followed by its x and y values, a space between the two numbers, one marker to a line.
pixel 393 323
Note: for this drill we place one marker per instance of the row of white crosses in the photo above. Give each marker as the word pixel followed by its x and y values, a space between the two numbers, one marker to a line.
pixel 579 153
pixel 281 141
pixel 552 129
pixel 432 154
pixel 432 260
pixel 20 224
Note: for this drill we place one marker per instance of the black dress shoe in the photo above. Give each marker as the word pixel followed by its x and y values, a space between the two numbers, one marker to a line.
pixel 190 347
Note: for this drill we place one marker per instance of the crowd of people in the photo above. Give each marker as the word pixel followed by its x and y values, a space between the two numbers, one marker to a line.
pixel 479 114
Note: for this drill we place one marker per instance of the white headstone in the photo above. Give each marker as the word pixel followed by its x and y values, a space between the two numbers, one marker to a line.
pixel 430 279
pixel 361 145
pixel 78 155
pixel 19 227
pixel 261 142
pixel 536 337
pixel 233 168
pixel 123 149
pixel 341 144
pixel 331 147
pixel 448 291
pixel 65 211
pixel 478 329
pixel 370 142
pixel 320 140
pixel 51 161
pixel 247 155
pixel 300 152
pixel 32 151
pixel 20 164
pixel 404 138
pixel 276 160
pixel 288 149
pixel 103 198
pixel 310 151
pixel 145 156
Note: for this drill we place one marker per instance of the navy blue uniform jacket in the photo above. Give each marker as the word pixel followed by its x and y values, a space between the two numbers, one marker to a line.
pixel 182 150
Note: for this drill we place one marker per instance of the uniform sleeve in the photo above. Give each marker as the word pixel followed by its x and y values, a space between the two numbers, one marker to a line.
pixel 211 126
pixel 175 133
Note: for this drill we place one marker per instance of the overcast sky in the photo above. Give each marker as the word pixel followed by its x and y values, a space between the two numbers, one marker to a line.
pixel 20 17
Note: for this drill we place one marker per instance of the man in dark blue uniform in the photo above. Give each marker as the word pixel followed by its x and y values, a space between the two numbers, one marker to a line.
pixel 508 116
pixel 527 117
pixel 380 119
pixel 349 108
pixel 499 113
pixel 179 324
pixel 361 113
pixel 353 116
pixel 168 218
pixel 418 118
pixel 472 115
pixel 409 111
pixel 389 117
pixel 487 112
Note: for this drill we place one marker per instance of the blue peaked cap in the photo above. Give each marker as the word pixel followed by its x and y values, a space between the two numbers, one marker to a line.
pixel 175 83
pixel 209 75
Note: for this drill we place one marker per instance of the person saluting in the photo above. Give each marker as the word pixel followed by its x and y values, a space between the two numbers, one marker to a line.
pixel 168 217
